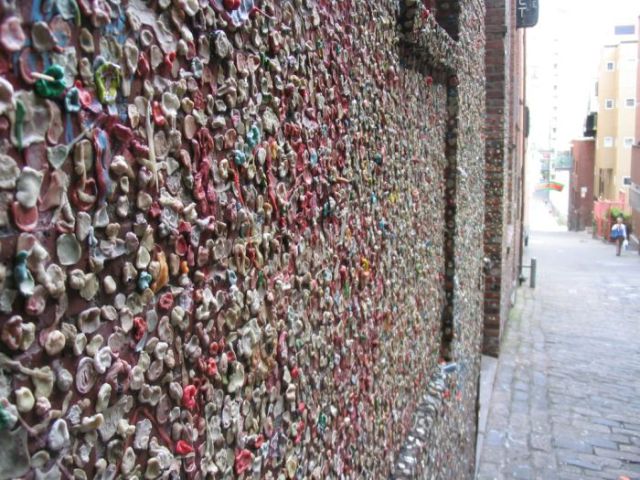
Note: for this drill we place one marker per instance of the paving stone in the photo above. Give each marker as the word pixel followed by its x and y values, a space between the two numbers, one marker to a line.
pixel 519 406
pixel 501 394
pixel 540 442
pixel 624 439
pixel 519 421
pixel 547 474
pixel 492 454
pixel 499 422
pixel 591 426
pixel 539 399
pixel 517 454
pixel 616 474
pixel 524 472
pixel 500 410
pixel 581 464
pixel 567 437
pixel 560 419
pixel 571 471
pixel 483 476
pixel 488 469
pixel 628 448
pixel 517 439
pixel 571 476
pixel 606 422
pixel 601 440
pixel 586 411
pixel 540 459
pixel 618 455
pixel 494 438
pixel 631 425
pixel 594 459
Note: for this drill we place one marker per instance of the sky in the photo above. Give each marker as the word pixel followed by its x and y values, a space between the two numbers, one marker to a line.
pixel 569 34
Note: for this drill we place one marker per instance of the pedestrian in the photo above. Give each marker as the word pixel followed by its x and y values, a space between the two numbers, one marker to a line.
pixel 619 234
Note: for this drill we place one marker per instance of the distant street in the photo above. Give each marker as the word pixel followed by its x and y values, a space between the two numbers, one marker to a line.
pixel 566 398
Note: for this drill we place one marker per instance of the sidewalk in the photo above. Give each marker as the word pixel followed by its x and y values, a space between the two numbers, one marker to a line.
pixel 566 397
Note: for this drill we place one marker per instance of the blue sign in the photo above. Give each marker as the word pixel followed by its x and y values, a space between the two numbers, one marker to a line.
pixel 526 13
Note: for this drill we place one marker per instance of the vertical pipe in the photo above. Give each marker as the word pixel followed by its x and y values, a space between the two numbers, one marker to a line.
pixel 523 184
pixel 534 268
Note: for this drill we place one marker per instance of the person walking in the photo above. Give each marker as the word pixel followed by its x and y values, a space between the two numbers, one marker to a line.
pixel 619 234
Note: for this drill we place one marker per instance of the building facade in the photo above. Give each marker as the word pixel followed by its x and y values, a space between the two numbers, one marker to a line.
pixel 505 150
pixel 616 128
pixel 581 184
pixel 634 190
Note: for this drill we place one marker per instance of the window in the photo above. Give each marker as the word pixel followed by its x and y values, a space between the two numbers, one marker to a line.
pixel 624 29
pixel 609 103
pixel 608 142
pixel 626 181
pixel 630 102
pixel 610 66
pixel 447 15
pixel 628 142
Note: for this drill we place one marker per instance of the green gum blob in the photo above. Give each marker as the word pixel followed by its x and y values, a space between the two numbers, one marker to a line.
pixel 21 274
pixel 107 77
pixel 19 123
pixel 253 136
pixel 51 88
pixel 5 418
pixel 144 281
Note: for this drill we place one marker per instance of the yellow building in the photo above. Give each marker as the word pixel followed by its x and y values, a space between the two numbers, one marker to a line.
pixel 616 92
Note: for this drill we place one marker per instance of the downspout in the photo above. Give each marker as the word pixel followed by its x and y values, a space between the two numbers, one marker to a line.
pixel 523 170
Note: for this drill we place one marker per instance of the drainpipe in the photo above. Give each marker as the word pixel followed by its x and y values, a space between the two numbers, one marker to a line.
pixel 524 149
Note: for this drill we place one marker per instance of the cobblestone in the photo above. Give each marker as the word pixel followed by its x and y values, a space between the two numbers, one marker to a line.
pixel 540 442
pixel 566 399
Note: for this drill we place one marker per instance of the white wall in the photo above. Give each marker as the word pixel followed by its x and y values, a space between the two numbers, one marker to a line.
pixel 560 200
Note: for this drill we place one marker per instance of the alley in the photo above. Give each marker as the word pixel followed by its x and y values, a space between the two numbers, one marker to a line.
pixel 566 397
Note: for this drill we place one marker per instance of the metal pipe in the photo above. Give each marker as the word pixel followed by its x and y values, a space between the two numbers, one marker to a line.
pixel 532 278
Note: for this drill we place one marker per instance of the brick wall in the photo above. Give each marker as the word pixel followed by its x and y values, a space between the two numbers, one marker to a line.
pixel 504 59
pixel 581 208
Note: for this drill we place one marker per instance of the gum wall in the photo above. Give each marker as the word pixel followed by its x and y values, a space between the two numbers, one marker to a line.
pixel 239 238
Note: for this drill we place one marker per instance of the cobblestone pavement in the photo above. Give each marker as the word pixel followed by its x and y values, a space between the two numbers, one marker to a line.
pixel 566 397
